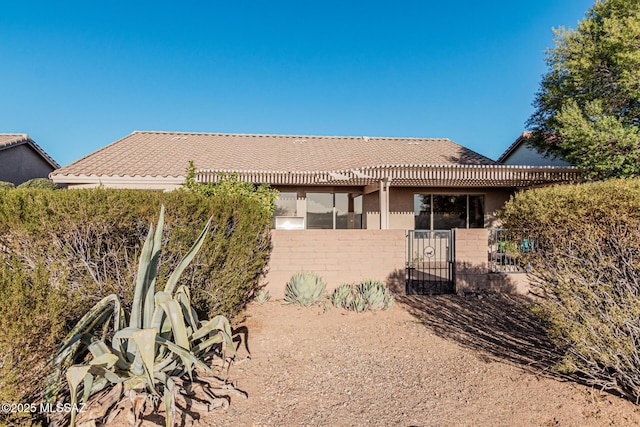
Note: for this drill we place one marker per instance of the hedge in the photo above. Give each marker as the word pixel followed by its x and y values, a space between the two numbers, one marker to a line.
pixel 84 244
pixel 585 268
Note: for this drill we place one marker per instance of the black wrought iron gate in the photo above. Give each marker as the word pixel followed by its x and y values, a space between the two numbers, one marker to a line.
pixel 429 262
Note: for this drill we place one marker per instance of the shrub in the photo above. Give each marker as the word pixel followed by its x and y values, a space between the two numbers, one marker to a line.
pixel 89 238
pixel 42 183
pixel 363 296
pixel 149 349
pixel 585 267
pixel 34 316
pixel 81 245
pixel 6 185
pixel 304 289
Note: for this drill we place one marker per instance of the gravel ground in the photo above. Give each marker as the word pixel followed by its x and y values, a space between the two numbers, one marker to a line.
pixel 429 361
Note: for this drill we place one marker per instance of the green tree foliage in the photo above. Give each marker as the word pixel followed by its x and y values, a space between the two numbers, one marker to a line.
pixel 585 266
pixel 229 184
pixel 588 106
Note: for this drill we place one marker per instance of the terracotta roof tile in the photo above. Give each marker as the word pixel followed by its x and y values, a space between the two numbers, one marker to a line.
pixel 166 154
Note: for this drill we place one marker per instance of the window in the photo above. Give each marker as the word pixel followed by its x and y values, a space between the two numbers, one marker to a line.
pixel 334 210
pixel 447 211
pixel 286 212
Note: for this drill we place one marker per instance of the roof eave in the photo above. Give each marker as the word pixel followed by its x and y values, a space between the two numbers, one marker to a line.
pixel 107 181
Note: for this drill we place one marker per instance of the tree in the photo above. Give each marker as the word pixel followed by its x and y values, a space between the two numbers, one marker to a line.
pixel 588 106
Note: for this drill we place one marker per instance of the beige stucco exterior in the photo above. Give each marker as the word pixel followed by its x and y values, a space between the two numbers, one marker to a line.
pixel 401 202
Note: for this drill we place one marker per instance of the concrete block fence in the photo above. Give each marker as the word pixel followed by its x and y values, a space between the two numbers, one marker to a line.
pixel 345 256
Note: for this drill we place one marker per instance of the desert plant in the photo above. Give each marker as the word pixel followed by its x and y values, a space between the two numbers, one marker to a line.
pixel 375 294
pixel 342 296
pixel 262 296
pixel 363 296
pixel 304 289
pixel 110 355
pixel 357 303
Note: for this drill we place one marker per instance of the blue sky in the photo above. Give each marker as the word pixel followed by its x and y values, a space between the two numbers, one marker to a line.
pixel 78 75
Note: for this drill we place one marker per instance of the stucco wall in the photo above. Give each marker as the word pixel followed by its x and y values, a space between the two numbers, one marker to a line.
pixel 21 163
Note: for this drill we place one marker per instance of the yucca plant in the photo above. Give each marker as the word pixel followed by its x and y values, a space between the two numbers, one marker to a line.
pixel 117 361
pixel 304 289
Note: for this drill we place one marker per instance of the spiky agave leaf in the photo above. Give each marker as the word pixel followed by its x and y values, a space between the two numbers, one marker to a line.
pixel 77 337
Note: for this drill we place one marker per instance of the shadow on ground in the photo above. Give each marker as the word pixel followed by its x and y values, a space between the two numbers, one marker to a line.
pixel 500 327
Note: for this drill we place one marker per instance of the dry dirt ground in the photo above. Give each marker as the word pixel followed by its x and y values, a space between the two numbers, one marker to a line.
pixel 429 361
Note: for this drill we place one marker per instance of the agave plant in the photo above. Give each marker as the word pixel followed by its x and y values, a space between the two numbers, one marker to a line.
pixel 120 361
pixel 342 296
pixel 262 296
pixel 375 294
pixel 304 289
pixel 366 295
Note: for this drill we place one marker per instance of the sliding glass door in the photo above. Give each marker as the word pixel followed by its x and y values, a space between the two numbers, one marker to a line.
pixel 447 211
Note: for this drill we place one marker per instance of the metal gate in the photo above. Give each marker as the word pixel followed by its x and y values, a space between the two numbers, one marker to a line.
pixel 429 262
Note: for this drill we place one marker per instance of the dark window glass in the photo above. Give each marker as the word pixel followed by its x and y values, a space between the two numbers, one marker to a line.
pixel 476 211
pixel 320 210
pixel 422 211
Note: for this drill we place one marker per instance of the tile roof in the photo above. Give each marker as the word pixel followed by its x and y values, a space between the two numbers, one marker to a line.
pixel 166 154
pixel 8 140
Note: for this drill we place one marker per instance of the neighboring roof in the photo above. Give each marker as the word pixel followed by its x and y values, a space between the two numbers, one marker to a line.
pixel 520 153
pixel 9 140
pixel 161 158
pixel 519 141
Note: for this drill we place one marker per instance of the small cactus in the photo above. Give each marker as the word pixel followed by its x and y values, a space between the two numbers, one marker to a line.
pixel 304 289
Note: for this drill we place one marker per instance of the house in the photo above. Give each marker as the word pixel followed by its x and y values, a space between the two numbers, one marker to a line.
pixel 21 159
pixel 346 204
pixel 520 153
pixel 325 182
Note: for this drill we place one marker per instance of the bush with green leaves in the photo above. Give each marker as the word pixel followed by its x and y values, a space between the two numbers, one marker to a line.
pixel 585 269
pixel 42 183
pixel 116 360
pixel 363 296
pixel 305 289
pixel 89 238
pixel 33 322
pixel 4 185
pixel 71 248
